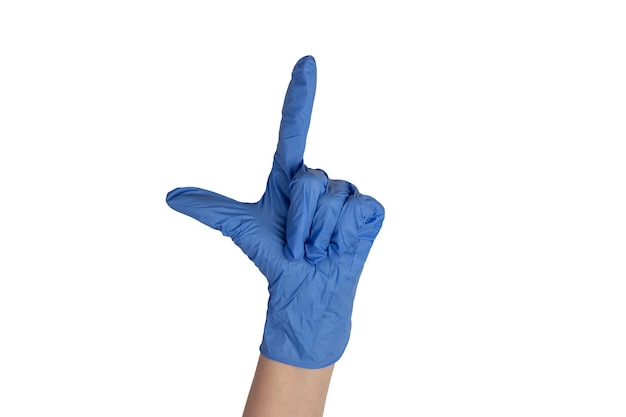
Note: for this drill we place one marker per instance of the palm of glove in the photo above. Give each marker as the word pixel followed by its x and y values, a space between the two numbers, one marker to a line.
pixel 309 236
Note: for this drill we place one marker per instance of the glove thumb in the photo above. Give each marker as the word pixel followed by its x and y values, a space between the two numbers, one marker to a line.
pixel 215 210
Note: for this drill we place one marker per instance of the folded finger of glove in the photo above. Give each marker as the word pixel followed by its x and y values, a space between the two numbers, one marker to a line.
pixel 329 208
pixel 306 188
pixel 360 220
pixel 326 217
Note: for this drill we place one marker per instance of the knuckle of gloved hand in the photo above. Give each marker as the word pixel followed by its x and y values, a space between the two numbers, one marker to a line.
pixel 341 188
pixel 314 180
pixel 372 216
pixel 376 210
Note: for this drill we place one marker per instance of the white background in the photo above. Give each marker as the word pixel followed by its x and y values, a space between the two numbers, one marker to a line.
pixel 492 132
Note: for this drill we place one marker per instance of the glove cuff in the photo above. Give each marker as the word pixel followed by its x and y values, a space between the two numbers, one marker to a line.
pixel 319 342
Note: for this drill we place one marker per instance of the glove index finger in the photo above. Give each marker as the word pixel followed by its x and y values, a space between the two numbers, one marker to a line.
pixel 296 116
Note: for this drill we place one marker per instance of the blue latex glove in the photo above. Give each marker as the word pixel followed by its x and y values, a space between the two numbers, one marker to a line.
pixel 309 236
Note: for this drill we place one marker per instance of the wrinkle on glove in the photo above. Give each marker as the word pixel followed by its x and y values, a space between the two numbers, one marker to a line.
pixel 309 235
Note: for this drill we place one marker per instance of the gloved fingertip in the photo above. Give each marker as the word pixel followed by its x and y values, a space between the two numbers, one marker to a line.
pixel 305 60
pixel 293 255
pixel 172 194
pixel 314 255
pixel 178 191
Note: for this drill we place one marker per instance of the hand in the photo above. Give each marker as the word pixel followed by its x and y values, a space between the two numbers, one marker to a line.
pixel 309 235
